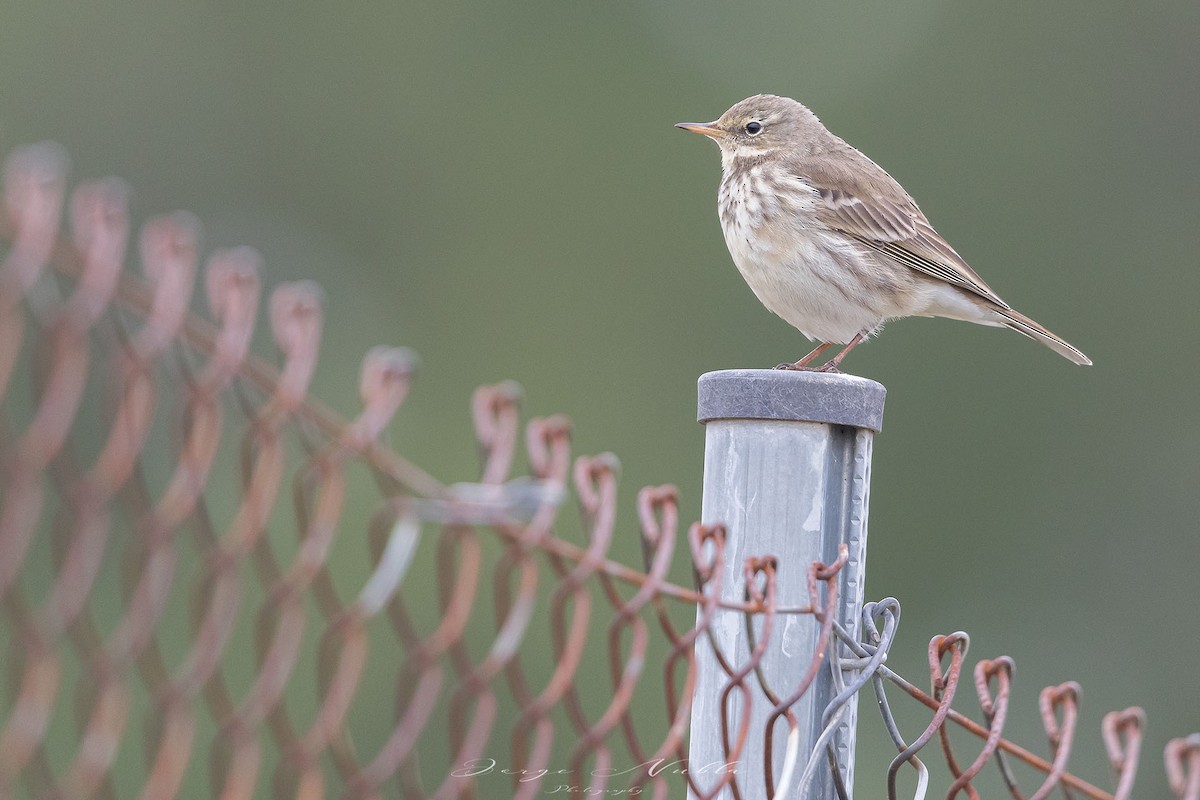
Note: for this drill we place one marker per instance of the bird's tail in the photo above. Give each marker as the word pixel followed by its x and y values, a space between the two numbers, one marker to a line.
pixel 1023 324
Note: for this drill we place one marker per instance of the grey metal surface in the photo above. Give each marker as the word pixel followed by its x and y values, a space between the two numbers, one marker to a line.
pixel 796 489
pixel 790 395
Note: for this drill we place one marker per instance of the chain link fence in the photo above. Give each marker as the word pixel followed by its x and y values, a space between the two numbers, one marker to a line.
pixel 212 584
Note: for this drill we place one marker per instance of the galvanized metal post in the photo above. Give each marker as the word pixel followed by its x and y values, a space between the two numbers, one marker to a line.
pixel 787 468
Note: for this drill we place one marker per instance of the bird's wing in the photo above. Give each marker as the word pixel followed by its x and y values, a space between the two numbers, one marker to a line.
pixel 883 217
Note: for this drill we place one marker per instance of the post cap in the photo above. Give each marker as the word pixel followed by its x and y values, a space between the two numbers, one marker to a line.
pixel 791 395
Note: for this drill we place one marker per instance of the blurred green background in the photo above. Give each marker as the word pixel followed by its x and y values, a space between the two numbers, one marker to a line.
pixel 499 187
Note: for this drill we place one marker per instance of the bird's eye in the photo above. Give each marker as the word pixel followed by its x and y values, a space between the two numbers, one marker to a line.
pixel 754 128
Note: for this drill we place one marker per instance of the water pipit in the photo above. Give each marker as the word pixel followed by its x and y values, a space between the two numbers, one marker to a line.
pixel 833 244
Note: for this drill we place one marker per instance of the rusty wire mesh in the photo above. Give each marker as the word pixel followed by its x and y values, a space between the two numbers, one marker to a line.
pixel 213 585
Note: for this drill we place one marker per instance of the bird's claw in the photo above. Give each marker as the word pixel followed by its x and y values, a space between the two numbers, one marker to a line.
pixel 829 367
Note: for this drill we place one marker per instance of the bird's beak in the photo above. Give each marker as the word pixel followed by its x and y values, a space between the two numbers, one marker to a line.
pixel 708 129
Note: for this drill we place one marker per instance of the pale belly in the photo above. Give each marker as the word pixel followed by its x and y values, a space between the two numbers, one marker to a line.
pixel 807 288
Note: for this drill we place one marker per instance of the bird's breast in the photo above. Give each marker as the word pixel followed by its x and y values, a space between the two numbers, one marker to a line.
pixel 763 212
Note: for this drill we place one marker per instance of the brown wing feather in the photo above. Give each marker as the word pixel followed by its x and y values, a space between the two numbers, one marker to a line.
pixel 860 199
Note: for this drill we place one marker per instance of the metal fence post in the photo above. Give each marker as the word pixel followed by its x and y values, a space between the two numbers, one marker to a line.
pixel 787 467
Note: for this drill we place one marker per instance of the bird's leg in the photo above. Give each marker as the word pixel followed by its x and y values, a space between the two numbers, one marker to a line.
pixel 832 364
pixel 803 363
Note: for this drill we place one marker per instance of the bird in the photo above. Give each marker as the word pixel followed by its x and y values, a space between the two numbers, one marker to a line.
pixel 831 243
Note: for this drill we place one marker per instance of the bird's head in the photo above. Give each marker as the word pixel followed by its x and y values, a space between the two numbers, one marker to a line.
pixel 759 125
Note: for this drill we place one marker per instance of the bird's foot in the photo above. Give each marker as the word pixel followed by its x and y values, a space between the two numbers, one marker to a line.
pixel 803 364
pixel 828 367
